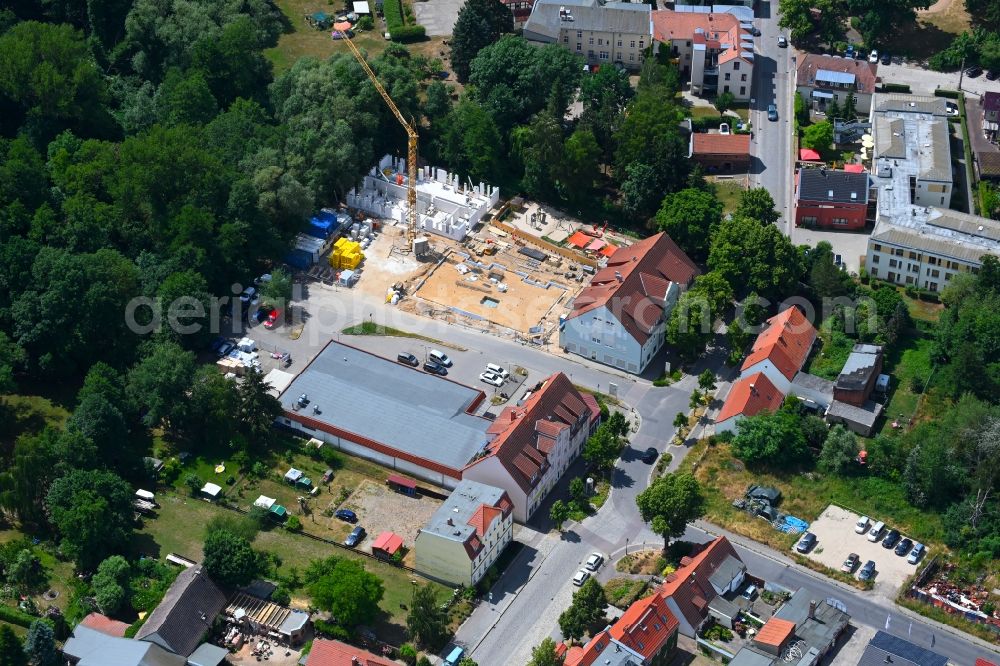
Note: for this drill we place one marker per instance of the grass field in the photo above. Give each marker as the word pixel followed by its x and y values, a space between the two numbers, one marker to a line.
pixel 932 32
pixel 729 191
pixel 806 495
pixel 301 40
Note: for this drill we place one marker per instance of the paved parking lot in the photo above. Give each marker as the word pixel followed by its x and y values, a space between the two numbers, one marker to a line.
pixel 851 246
pixel 924 81
pixel 836 539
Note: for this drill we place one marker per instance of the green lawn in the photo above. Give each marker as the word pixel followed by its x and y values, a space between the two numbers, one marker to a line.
pixel 729 191
pixel 724 479
pixel 31 413
pixel 833 351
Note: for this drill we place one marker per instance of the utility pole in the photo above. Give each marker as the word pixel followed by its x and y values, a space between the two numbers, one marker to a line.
pixel 961 73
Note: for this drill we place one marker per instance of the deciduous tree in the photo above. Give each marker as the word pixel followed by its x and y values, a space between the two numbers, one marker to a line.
pixel 545 654
pixel 230 559
pixel 670 503
pixel 757 204
pixel 426 620
pixel 92 512
pixel 818 136
pixel 479 24
pixel 689 217
pixel 586 612
pixel 769 438
pixel 344 588
pixel 839 450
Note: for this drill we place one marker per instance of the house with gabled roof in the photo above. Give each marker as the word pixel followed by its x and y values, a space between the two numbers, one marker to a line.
pixel 620 318
pixel 781 348
pixel 821 79
pixel 534 442
pixel 645 635
pixel 466 535
pixel 326 652
pixel 749 396
pixel 696 590
pixel 181 620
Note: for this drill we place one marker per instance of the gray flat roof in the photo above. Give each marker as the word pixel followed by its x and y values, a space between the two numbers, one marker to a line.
pixel 619 17
pixel 459 507
pixel 865 416
pixel 748 657
pixel 805 380
pixel 885 648
pixel 390 403
pixel 948 233
pixel 94 648
pixel 859 366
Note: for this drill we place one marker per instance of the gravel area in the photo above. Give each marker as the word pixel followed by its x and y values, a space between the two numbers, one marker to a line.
pixel 379 508
pixel 836 539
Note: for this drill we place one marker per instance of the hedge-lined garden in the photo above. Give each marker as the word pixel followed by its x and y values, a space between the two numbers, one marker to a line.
pixel 396 23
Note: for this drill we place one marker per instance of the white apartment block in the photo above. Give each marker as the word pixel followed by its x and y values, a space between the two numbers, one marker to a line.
pixel 602 33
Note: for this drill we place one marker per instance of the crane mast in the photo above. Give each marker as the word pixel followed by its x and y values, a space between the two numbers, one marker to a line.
pixel 411 145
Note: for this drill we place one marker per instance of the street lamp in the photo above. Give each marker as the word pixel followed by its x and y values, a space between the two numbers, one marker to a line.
pixel 626 545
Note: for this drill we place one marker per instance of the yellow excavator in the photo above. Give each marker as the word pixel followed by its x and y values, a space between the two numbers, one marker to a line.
pixel 411 145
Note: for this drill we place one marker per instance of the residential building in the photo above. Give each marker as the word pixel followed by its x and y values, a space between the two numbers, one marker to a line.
pixel 720 153
pixel 714 51
pixel 912 154
pixel 104 624
pixel 820 79
pixel 988 165
pixel 327 652
pixel 857 379
pixel 781 349
pixel 885 648
pixel 645 635
pixel 930 246
pixel 991 114
pixel 602 33
pixel 179 623
pixel 749 396
pixel 466 535
pixel 521 9
pixel 90 647
pixel 696 590
pixel 533 443
pixel 620 318
pixel 831 199
pixel 803 630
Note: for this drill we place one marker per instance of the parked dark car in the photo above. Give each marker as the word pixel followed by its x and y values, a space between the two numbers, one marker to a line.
pixel 772 112
pixel 974 71
pixel 347 515
pixel 806 543
pixel 992 75
pixel 851 563
pixel 649 456
pixel 408 359
pixel 356 536
pixel 903 547
pixel 435 368
pixel 891 539
pixel 868 571
pixel 886 59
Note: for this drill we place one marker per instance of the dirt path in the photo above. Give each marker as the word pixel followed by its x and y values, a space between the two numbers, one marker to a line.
pixel 938 7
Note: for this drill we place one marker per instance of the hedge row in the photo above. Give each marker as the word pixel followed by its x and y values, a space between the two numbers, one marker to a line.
pixel 895 87
pixel 950 94
pixel 408 33
pixel 15 616
pixel 710 122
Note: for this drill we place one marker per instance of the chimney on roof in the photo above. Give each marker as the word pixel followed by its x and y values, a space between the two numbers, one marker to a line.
pixel 355 661
pixel 618 276
pixel 812 610
pixel 753 388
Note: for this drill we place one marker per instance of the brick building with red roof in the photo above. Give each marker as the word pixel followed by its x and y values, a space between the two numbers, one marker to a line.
pixel 334 653
pixel 619 319
pixel 533 443
pixel 692 590
pixel 720 152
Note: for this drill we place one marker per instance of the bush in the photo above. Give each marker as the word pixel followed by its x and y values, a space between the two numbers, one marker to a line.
pixel 332 630
pixel 408 33
pixel 896 87
pixel 293 524
pixel 393 11
pixel 281 596
pixel 706 123
pixel 950 94
pixel 408 653
pixel 365 23
pixel 14 616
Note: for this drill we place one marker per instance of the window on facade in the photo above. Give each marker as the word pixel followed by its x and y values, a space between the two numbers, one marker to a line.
pixel 909 279
pixel 877 247
pixel 579 47
pixel 619 43
pixel 875 259
pixel 934 273
pixel 590 54
pixel 642 43
pixel 840 220
pixel 743 90
pixel 600 42
pixel 736 66
pixel 579 33
pixel 725 89
pixel 912 255
pixel 631 45
pixel 591 42
pixel 892 263
pixel 898 252
pixel 808 220
pixel 743 77
pixel 604 55
pixel 565 39
pixel 932 286
pixel 727 77
pixel 631 57
pixel 875 271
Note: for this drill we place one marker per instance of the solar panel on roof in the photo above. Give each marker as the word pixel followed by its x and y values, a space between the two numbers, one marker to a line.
pixel 834 77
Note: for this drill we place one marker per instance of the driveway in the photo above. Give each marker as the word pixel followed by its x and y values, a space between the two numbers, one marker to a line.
pixel 925 81
pixel 974 116
pixel 437 16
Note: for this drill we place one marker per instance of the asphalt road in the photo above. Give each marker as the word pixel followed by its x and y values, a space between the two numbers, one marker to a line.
pixel 771 145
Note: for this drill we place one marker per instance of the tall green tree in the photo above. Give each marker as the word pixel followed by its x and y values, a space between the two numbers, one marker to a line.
pixel 579 166
pixel 689 217
pixel 586 613
pixel 470 141
pixel 426 620
pixel 258 409
pixel 540 148
pixel 159 382
pixel 757 204
pixel 604 95
pixel 230 559
pixel 559 513
pixel 545 654
pixel 11 650
pixel 813 21
pixel 770 438
pixel 839 450
pixel 92 513
pixel 109 584
pixel 344 588
pixel 479 24
pixel 40 645
pixel 818 136
pixel 670 503
pixel 755 257
pixel 879 20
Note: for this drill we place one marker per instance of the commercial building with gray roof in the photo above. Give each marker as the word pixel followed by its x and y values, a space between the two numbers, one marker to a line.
pixel 602 33
pixel 917 240
pixel 885 648
pixel 89 647
pixel 412 421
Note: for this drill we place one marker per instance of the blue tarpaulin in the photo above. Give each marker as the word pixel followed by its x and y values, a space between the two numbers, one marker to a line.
pixel 792 525
pixel 324 223
pixel 299 259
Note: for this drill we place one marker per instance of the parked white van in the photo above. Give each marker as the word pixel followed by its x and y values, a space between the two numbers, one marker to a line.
pixel 875 533
pixel 440 357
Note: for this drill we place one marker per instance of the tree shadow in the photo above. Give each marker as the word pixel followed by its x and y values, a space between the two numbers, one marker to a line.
pixel 570 537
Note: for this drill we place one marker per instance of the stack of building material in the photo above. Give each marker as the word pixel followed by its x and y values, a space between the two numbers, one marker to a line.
pixel 346 254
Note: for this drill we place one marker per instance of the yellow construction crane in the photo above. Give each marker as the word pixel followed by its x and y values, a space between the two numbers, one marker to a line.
pixel 411 146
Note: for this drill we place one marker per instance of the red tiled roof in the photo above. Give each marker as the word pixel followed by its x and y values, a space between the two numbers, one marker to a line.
pixel 591 402
pixel 690 592
pixel 579 239
pixel 334 653
pixel 980 661
pixel 808 154
pixel 588 654
pixel 641 265
pixel 744 401
pixel 716 30
pixel 775 632
pixel 865 73
pixel 519 444
pixel 388 542
pixel 402 481
pixel 786 342
pixel 483 518
pixel 646 626
pixel 720 144
pixel 105 625
pixel 608 250
pixel 854 168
